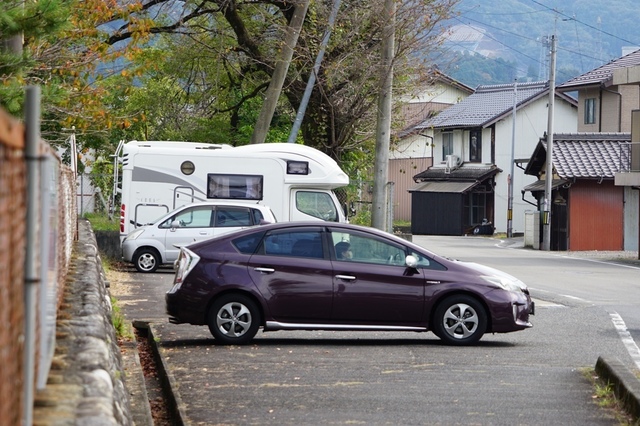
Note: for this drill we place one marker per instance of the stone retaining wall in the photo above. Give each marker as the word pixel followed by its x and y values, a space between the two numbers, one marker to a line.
pixel 86 384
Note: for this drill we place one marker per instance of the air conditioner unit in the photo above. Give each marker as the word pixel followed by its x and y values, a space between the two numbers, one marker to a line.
pixel 453 161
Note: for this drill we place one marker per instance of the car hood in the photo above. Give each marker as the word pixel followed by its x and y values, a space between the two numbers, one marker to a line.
pixel 489 271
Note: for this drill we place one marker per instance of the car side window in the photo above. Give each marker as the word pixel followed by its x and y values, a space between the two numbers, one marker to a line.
pixel 257 216
pixel 194 217
pixel 295 244
pixel 227 217
pixel 248 244
pixel 426 263
pixel 366 249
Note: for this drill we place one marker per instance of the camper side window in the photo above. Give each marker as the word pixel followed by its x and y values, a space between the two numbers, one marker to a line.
pixel 244 187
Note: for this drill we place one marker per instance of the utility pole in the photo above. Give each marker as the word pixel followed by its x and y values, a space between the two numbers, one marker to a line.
pixel 548 176
pixel 279 74
pixel 383 128
pixel 511 169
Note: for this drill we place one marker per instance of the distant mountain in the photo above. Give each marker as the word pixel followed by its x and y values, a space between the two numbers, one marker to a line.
pixel 494 42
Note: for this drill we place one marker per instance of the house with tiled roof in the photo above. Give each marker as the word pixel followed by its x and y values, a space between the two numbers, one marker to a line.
pixel 476 144
pixel 608 99
pixel 587 209
pixel 411 151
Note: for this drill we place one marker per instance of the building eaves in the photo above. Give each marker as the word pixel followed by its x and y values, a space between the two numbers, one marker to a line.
pixel 465 173
pixel 602 75
pixel 445 79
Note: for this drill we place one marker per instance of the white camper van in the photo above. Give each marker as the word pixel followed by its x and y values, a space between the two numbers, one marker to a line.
pixel 296 181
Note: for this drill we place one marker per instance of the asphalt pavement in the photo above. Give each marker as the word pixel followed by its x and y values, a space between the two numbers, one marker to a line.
pixel 368 378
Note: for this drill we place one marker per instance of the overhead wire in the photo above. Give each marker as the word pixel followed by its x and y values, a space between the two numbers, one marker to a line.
pixel 581 55
pixel 583 23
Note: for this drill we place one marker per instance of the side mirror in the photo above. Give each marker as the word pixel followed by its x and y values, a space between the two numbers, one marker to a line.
pixel 175 224
pixel 411 261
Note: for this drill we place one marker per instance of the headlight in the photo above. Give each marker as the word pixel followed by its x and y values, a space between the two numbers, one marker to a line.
pixel 135 234
pixel 506 283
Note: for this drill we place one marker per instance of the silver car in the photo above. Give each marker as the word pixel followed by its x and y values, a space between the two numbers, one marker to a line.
pixel 159 243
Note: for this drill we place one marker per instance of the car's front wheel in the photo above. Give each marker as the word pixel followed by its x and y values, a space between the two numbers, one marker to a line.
pixel 146 260
pixel 460 320
pixel 234 319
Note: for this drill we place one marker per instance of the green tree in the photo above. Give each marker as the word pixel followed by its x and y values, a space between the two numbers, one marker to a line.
pixel 214 60
pixel 25 28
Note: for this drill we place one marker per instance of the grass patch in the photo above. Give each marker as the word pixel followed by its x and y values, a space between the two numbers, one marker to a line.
pixel 402 224
pixel 101 222
pixel 606 399
pixel 120 323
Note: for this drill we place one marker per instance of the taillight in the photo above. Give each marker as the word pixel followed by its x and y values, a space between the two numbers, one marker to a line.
pixel 187 260
pixel 122 208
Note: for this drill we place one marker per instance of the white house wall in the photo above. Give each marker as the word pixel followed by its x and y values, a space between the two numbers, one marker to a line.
pixel 531 124
pixel 439 93
pixel 413 146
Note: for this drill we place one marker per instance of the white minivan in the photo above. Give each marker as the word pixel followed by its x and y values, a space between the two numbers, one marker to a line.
pixel 159 242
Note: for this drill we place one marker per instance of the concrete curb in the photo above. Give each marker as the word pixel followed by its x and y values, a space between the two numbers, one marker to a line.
pixel 169 383
pixel 626 385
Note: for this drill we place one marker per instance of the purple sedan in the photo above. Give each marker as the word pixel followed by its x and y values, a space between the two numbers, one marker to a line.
pixel 334 276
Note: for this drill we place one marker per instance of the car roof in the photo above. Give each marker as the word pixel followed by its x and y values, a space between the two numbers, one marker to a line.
pixel 335 225
pixel 231 203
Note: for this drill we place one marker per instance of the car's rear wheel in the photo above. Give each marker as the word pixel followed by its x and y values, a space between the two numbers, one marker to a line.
pixel 146 260
pixel 460 320
pixel 234 319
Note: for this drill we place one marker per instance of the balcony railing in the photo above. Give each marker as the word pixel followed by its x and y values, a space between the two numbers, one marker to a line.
pixel 629 157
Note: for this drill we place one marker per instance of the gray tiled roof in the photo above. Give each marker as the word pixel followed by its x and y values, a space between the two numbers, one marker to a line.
pixel 485 105
pixel 587 155
pixel 603 74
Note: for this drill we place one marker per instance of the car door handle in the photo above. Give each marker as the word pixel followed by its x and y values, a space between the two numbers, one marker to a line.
pixel 203 233
pixel 264 270
pixel 345 277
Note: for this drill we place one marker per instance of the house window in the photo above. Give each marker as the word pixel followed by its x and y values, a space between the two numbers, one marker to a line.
pixel 590 111
pixel 447 145
pixel 477 207
pixel 475 146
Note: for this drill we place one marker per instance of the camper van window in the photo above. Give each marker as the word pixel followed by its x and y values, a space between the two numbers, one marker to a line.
pixel 245 187
pixel 297 168
pixel 317 204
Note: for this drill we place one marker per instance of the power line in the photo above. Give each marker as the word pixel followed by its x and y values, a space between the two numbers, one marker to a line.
pixel 583 23
pixel 525 38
